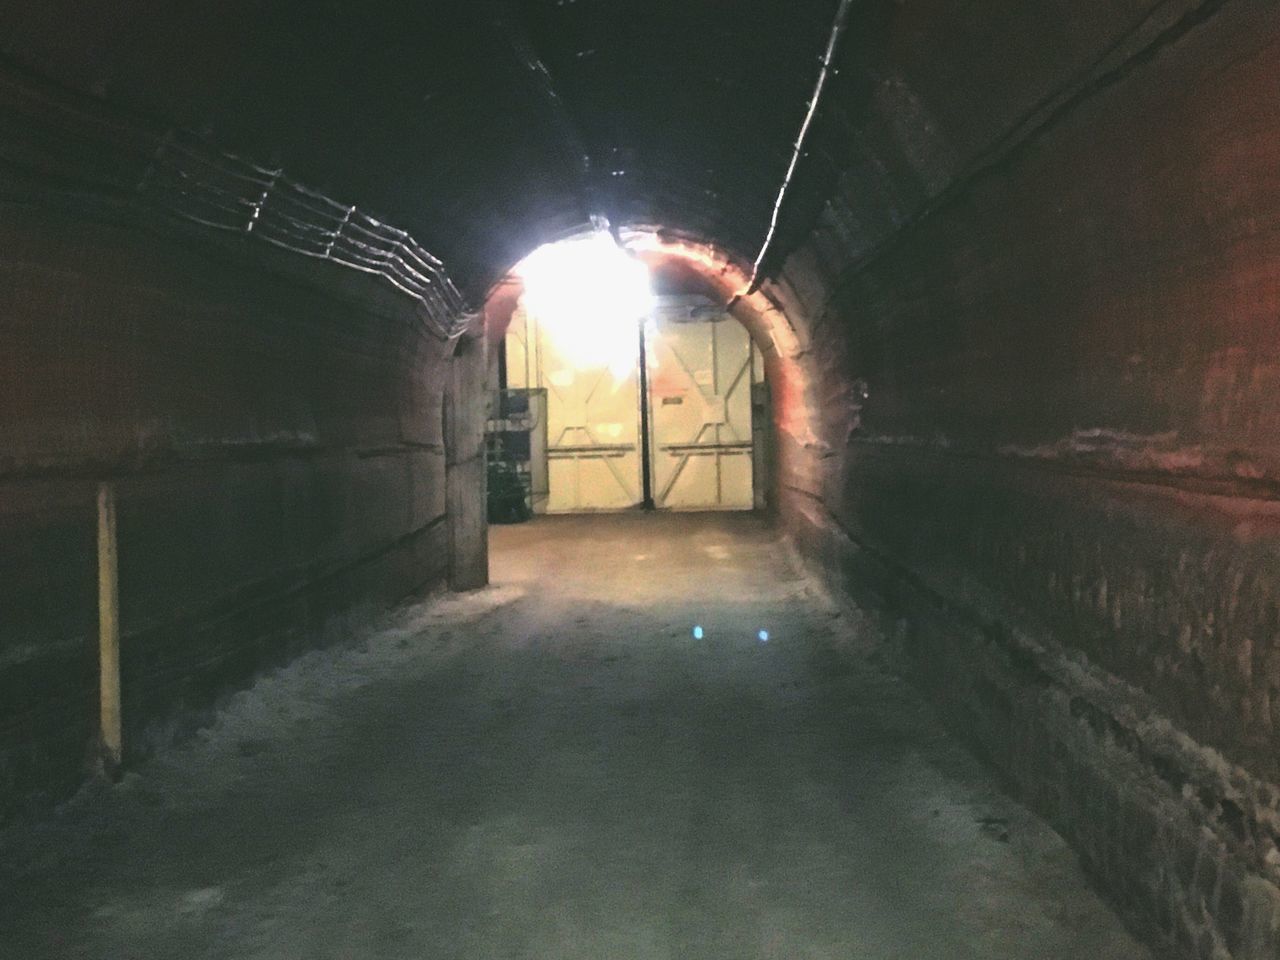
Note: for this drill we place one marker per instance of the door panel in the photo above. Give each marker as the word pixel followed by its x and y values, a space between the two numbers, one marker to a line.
pixel 700 377
pixel 700 381
pixel 593 436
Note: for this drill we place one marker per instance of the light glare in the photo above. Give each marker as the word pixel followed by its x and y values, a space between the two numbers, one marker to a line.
pixel 589 295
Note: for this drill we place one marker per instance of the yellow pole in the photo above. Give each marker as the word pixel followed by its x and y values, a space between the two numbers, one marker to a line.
pixel 109 630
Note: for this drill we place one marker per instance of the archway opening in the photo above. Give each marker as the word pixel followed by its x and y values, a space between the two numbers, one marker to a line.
pixel 628 373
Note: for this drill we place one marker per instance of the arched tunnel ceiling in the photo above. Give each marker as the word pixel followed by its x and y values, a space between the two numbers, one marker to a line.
pixel 483 128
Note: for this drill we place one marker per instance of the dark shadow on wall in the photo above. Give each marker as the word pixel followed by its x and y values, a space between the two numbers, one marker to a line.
pixel 273 433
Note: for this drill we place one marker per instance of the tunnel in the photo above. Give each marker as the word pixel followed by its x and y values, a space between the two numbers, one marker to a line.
pixel 983 663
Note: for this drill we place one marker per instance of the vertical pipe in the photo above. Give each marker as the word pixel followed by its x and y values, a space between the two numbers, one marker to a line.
pixel 109 631
pixel 502 368
pixel 715 388
pixel 646 455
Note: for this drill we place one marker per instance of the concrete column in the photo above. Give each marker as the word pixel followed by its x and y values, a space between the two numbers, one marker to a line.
pixel 466 409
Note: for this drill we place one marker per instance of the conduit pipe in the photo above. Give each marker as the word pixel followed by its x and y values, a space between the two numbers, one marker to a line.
pixel 828 57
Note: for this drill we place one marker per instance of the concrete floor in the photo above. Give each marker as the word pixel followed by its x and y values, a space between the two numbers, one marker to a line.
pixel 555 768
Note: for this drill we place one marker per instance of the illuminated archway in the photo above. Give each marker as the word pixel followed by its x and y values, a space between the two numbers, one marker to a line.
pixel 778 330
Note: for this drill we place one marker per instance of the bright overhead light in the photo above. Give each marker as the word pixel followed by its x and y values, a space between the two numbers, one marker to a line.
pixel 589 294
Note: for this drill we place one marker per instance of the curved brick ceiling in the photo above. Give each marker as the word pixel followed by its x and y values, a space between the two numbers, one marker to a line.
pixel 481 127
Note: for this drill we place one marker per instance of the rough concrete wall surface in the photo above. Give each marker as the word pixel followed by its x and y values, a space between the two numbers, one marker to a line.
pixel 1046 356
pixel 465 454
pixel 275 443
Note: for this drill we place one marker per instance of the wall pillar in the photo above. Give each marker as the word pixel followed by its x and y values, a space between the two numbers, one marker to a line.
pixel 466 409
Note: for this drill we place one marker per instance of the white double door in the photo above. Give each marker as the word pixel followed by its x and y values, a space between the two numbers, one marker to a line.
pixel 699 374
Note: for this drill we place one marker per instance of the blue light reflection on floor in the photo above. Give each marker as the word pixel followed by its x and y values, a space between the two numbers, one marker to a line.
pixel 699 633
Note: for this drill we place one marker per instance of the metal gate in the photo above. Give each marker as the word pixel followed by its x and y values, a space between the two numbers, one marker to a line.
pixel 593 436
pixel 700 376
pixel 701 365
